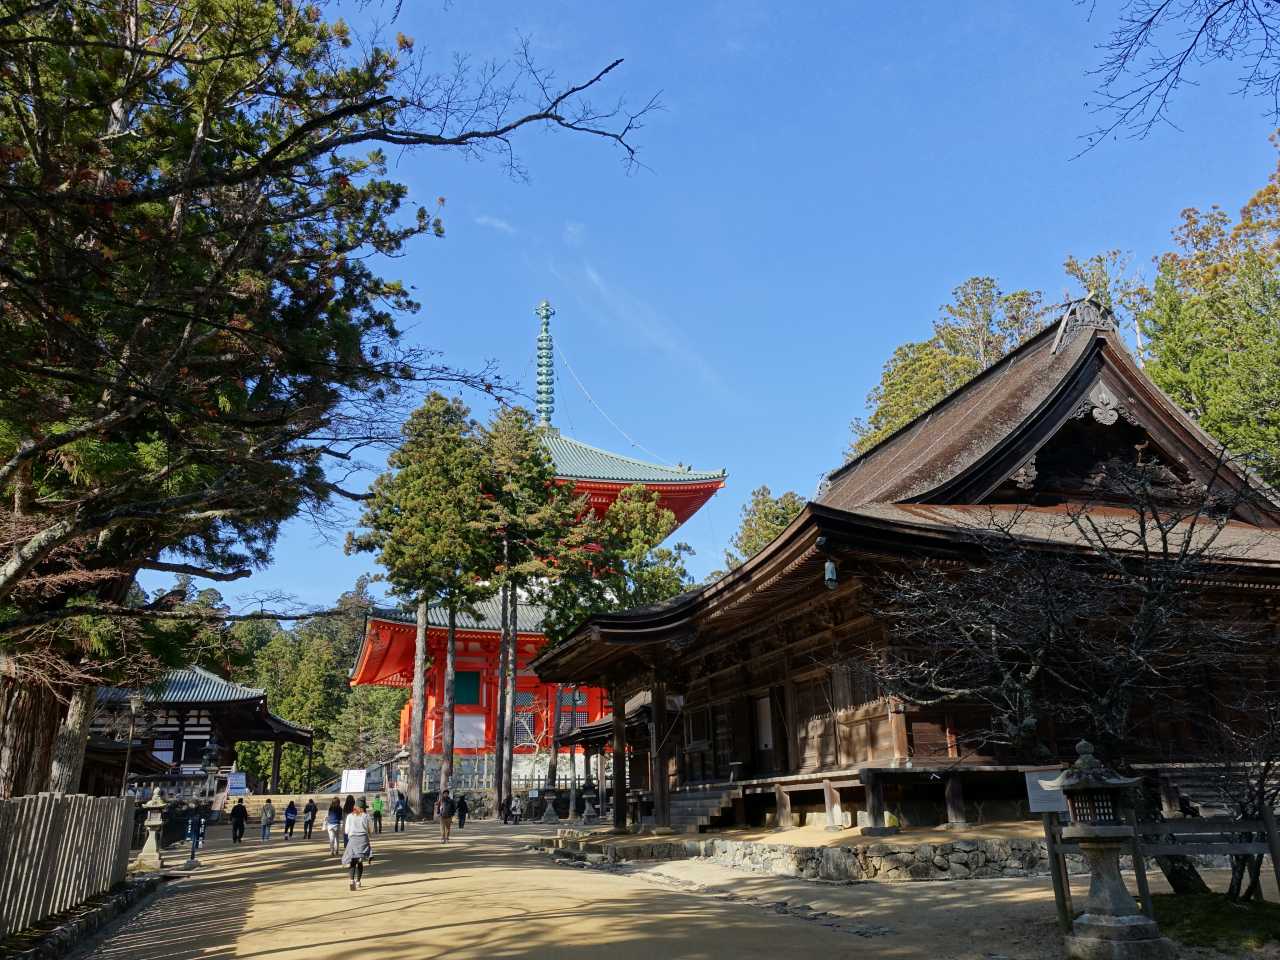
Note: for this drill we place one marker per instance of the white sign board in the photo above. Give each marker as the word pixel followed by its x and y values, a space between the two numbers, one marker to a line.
pixel 352 781
pixel 1040 799
pixel 236 785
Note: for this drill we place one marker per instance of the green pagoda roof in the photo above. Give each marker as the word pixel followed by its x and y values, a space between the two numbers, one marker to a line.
pixel 528 616
pixel 580 461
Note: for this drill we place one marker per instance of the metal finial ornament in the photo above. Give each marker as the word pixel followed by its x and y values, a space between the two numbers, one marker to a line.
pixel 546 365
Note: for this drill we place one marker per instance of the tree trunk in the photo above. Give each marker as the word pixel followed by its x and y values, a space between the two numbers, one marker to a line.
pixel 555 739
pixel 28 720
pixel 513 672
pixel 68 745
pixel 1182 874
pixel 446 736
pixel 500 720
pixel 417 712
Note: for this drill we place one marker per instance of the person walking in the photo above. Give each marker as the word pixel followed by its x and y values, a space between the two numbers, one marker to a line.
pixel 376 810
pixel 239 814
pixel 358 850
pixel 290 819
pixel 268 818
pixel 515 810
pixel 333 826
pixel 309 817
pixel 401 811
pixel 445 809
pixel 463 810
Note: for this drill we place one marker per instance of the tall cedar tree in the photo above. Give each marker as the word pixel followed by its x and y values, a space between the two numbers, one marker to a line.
pixel 976 329
pixel 539 527
pixel 421 521
pixel 1211 322
pixel 191 195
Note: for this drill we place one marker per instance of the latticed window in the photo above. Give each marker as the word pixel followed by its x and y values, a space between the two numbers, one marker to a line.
pixel 572 698
pixel 524 698
pixel 524 730
pixel 572 718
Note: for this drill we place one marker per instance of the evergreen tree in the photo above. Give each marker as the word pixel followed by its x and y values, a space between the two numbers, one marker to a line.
pixel 422 521
pixel 624 567
pixel 191 330
pixel 763 518
pixel 534 521
pixel 976 329
pixel 1211 322
pixel 304 673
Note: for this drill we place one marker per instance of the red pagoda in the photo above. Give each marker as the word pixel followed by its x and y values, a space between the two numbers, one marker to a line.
pixel 386 655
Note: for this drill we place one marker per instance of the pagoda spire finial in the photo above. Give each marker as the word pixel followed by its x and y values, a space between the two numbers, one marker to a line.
pixel 546 365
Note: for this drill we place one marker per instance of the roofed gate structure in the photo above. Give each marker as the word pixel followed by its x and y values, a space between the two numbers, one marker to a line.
pixel 766 719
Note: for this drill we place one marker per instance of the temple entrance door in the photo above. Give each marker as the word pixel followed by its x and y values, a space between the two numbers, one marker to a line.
pixel 764 754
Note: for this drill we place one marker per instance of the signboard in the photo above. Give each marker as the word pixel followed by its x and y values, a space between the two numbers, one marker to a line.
pixel 236 785
pixel 1039 798
pixel 352 781
pixel 533 794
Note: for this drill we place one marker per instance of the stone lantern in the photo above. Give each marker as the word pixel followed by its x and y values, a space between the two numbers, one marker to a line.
pixel 151 857
pixel 1111 927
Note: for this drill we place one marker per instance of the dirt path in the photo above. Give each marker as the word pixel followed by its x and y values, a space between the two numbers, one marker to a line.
pixel 485 895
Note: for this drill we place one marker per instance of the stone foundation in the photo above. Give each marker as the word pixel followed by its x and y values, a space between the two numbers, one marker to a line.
pixel 891 860
pixel 879 860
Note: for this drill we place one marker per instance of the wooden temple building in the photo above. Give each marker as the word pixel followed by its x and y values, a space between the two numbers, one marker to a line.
pixel 190 724
pixel 770 715
pixel 386 655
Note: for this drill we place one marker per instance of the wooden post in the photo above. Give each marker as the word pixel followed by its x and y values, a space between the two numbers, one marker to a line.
pixel 782 803
pixel 1273 842
pixel 1057 871
pixel 789 715
pixel 1140 868
pixel 831 800
pixel 955 801
pixel 658 755
pixel 275 766
pixel 898 730
pixel 875 798
pixel 619 759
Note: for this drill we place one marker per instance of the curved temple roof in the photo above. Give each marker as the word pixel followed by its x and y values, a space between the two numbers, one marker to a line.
pixel 246 707
pixel 575 460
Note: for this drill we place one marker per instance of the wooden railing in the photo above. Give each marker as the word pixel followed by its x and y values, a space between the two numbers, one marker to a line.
pixel 57 851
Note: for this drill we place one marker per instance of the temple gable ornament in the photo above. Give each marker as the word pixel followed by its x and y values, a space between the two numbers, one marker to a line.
pixel 1104 406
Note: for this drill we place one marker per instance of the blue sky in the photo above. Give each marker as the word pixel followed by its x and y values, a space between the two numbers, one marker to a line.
pixel 822 176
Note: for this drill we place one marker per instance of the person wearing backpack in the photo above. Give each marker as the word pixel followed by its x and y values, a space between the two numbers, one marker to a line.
pixel 445 809
pixel 401 811
pixel 462 811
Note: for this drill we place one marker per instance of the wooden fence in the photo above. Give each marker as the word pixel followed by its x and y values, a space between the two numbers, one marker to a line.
pixel 1190 836
pixel 57 851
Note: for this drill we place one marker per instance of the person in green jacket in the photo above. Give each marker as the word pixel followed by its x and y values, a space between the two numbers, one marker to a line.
pixel 377 814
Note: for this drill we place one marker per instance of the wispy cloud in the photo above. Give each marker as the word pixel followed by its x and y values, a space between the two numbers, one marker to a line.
pixel 496 223
pixel 635 315
pixel 573 233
